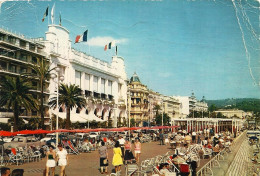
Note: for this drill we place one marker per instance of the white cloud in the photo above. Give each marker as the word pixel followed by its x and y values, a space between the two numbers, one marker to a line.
pixel 102 41
pixel 165 74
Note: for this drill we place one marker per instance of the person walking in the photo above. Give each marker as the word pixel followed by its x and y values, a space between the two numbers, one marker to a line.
pixel 122 145
pixel 117 158
pixel 137 146
pixel 50 161
pixel 63 160
pixel 103 157
pixel 128 157
pixel 161 138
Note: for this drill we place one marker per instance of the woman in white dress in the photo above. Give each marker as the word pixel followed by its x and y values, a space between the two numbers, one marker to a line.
pixel 63 159
pixel 50 161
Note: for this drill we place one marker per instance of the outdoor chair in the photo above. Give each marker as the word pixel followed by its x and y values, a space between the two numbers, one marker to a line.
pixel 206 152
pixel 131 169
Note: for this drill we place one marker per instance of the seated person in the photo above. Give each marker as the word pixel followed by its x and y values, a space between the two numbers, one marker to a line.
pixel 164 170
pixel 216 149
pixel 183 150
pixel 86 145
pixel 177 160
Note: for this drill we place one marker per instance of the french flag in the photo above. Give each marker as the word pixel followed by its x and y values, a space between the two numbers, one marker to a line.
pixel 82 38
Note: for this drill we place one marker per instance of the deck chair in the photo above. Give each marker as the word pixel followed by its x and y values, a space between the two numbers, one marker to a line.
pixel 15 157
pixel 72 148
pixel 131 169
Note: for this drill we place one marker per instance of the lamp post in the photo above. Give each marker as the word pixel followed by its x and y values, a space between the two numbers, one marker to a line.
pixel 162 113
pixel 59 78
pixel 129 111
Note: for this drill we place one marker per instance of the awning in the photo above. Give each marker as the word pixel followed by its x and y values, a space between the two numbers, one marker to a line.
pixel 91 117
pixel 73 117
pixel 5 120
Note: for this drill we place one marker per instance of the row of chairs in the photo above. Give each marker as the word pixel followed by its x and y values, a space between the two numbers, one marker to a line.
pixel 21 155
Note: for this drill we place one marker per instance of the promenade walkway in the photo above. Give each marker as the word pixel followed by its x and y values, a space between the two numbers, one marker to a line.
pixel 230 164
pixel 87 164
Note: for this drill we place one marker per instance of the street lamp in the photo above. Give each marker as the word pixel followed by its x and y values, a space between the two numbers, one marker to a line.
pixel 129 110
pixel 59 78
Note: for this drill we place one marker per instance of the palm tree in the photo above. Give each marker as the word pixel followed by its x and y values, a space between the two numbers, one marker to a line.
pixel 70 96
pixel 15 93
pixel 42 73
pixel 157 108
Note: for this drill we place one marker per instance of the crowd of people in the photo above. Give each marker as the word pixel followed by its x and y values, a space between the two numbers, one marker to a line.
pixel 128 149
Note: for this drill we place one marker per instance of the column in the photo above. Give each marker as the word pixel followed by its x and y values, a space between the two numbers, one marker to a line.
pixel 99 84
pixel 82 81
pixel 91 79
pixel 106 86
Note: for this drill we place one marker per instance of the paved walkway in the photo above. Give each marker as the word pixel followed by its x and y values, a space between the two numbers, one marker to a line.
pixel 87 164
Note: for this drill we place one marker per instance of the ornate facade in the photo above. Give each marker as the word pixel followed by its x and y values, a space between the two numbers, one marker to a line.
pixel 104 84
pixel 139 101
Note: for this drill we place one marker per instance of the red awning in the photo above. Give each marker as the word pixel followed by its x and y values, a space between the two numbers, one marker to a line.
pixel 6 133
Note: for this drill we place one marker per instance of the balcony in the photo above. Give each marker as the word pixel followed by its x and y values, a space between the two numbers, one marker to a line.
pixel 88 93
pixel 96 95
pixel 103 96
pixel 110 97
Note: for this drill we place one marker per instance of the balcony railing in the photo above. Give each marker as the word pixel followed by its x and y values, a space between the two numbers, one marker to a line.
pixel 103 96
pixel 88 93
pixel 96 95
pixel 110 97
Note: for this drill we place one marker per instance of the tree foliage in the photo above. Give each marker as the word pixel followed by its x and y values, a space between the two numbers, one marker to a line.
pixel 69 96
pixel 15 94
pixel 166 119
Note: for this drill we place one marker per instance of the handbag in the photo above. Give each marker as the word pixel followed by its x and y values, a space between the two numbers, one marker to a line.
pixel 105 161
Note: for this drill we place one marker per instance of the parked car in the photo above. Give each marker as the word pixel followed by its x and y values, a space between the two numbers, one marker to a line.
pixel 93 135
pixel 21 141
pixel 7 139
pixel 82 136
pixel 48 137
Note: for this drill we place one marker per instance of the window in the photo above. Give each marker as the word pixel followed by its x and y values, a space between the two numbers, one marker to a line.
pixel 77 80
pixel 95 84
pixel 109 88
pixel 87 79
pixel 102 85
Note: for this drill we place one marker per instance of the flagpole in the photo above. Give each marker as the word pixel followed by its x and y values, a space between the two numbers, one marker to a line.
pixel 48 15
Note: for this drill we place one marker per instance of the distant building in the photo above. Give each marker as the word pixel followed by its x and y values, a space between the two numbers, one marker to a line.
pixel 190 104
pixel 139 101
pixel 234 113
pixel 171 106
pixel 154 98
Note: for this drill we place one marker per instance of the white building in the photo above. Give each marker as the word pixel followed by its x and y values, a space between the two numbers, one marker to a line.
pixel 234 113
pixel 190 104
pixel 104 84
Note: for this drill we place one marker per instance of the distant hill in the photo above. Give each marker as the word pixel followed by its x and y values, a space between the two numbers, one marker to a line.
pixel 246 104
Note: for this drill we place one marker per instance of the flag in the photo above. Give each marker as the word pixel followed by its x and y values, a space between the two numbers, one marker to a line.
pixel 45 14
pixel 110 45
pixel 105 48
pixel 52 13
pixel 82 38
pixel 60 19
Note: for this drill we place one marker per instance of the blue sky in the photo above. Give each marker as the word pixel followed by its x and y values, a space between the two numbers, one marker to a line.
pixel 175 47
